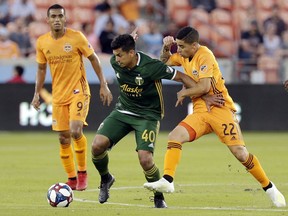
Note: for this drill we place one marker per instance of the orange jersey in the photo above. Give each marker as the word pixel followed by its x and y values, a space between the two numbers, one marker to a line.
pixel 202 65
pixel 64 57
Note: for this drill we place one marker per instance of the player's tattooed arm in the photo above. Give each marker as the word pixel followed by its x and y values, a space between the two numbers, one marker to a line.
pixel 168 41
pixel 165 53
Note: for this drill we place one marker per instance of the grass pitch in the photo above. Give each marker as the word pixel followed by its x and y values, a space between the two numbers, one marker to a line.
pixel 209 180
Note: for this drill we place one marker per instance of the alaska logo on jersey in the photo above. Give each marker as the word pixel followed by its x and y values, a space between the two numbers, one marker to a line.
pixel 67 47
pixel 131 91
pixel 139 80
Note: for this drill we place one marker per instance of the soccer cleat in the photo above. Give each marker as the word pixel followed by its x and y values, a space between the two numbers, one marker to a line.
pixel 276 196
pixel 72 183
pixel 161 185
pixel 82 182
pixel 159 202
pixel 104 190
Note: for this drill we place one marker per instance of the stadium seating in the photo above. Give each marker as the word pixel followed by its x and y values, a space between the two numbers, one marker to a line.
pixel 179 11
pixel 219 30
pixel 86 3
pixel 225 4
pixel 198 17
pixel 244 4
pixel 265 5
pixel 283 4
pixel 270 67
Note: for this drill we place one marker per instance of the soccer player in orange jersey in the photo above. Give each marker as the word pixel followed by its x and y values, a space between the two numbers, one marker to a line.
pixel 201 65
pixel 62 49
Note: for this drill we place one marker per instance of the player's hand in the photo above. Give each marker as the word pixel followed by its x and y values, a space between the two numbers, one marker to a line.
pixel 286 85
pixel 105 95
pixel 180 98
pixel 36 102
pixel 213 100
pixel 134 34
pixel 168 41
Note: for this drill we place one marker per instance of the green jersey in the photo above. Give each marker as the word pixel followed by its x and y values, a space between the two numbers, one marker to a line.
pixel 141 87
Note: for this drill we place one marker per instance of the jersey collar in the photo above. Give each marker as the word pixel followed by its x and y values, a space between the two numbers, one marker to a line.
pixel 139 56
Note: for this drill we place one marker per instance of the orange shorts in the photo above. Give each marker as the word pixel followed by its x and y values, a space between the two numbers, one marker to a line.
pixel 221 121
pixel 76 110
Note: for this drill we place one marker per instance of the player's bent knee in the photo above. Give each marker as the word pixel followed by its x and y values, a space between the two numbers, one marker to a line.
pixel 240 152
pixel 76 134
pixel 64 138
pixel 100 144
pixel 145 159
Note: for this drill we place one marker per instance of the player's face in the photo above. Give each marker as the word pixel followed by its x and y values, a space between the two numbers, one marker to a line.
pixel 124 59
pixel 186 50
pixel 56 19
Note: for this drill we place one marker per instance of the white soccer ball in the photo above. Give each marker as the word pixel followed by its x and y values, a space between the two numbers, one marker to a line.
pixel 60 195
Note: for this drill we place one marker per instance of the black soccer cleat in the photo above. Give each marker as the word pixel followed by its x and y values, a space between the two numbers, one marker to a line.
pixel 104 190
pixel 159 202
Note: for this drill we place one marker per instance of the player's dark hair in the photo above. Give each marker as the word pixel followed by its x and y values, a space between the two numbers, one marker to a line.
pixel 55 6
pixel 188 35
pixel 125 41
pixel 19 69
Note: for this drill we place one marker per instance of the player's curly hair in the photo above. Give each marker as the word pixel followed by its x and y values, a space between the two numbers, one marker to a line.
pixel 188 35
pixel 125 41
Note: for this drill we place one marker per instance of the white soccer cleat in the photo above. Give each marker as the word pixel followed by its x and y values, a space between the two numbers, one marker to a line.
pixel 161 185
pixel 276 196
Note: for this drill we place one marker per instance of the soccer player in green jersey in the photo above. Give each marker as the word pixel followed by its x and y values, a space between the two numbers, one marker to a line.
pixel 139 108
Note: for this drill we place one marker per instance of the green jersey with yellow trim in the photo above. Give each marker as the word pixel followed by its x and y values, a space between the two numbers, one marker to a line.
pixel 141 87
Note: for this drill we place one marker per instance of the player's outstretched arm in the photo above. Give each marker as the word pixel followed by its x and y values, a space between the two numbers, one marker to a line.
pixel 105 93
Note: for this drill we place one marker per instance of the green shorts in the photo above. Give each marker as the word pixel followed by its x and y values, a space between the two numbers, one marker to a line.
pixel 117 125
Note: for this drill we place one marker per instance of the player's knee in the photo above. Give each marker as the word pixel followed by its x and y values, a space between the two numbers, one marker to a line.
pixel 64 138
pixel 172 136
pixel 100 144
pixel 76 133
pixel 146 160
pixel 145 163
pixel 180 134
pixel 240 153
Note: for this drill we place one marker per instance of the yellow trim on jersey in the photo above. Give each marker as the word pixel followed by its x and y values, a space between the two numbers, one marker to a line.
pixel 158 85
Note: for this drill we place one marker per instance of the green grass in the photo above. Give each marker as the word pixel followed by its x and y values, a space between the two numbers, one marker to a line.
pixel 209 181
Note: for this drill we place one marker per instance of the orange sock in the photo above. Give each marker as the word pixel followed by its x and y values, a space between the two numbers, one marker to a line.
pixel 67 159
pixel 80 147
pixel 254 167
pixel 172 157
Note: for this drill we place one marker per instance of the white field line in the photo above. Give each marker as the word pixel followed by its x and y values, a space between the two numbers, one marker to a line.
pixel 239 208
pixel 182 185
pixel 187 207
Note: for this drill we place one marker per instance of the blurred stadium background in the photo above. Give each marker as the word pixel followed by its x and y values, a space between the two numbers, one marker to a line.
pixel 252 56
pixel 248 37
